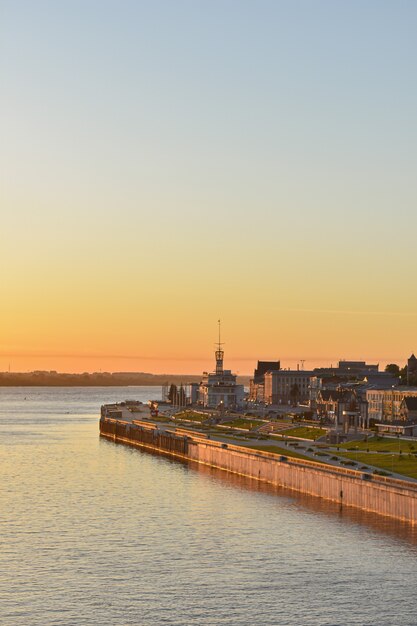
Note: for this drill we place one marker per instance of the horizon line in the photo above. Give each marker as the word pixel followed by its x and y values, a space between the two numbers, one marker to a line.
pixel 129 357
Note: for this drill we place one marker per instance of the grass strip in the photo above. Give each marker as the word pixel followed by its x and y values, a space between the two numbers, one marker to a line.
pixel 405 464
pixel 381 444
pixel 247 424
pixel 305 432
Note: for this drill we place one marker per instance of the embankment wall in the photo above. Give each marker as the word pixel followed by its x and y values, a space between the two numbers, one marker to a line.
pixel 378 494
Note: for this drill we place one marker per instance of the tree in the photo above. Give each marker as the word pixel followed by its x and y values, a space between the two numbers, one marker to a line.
pixel 294 393
pixel 408 378
pixel 393 369
pixel 172 393
pixel 182 398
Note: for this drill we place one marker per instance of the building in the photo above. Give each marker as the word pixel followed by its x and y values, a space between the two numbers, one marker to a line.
pixel 287 386
pixel 194 389
pixel 375 399
pixel 349 370
pixel 406 424
pixel 357 368
pixel 412 369
pixel 257 383
pixel 345 408
pixel 399 428
pixel 349 373
pixel 392 402
pixel 327 404
pixel 375 388
pixel 219 390
pixel 408 409
pixel 365 378
pixel 320 383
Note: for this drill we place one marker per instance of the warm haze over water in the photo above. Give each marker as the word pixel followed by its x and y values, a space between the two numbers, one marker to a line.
pixel 165 164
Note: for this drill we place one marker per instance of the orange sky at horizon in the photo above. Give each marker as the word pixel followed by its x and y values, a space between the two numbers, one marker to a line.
pixel 191 351
pixel 89 317
pixel 170 368
pixel 242 367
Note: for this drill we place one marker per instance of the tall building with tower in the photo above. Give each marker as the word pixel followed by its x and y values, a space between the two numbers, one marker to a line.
pixel 219 389
pixel 411 369
pixel 257 383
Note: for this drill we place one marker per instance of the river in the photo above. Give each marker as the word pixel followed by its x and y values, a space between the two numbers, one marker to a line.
pixel 94 532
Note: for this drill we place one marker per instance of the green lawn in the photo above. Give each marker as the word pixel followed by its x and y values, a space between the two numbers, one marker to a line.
pixel 305 432
pixel 387 444
pixel 191 415
pixel 229 434
pixel 400 463
pixel 247 424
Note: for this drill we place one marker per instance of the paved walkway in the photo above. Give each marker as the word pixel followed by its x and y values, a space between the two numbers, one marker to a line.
pixel 240 441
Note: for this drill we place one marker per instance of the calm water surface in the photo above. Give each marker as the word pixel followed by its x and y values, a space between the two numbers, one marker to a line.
pixel 98 533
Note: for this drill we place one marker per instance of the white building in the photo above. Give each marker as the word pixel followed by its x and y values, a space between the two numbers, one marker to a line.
pixel 219 389
pixel 385 404
pixel 285 386
pixel 375 399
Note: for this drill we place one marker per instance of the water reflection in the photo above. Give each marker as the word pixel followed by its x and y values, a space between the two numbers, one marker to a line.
pixel 397 529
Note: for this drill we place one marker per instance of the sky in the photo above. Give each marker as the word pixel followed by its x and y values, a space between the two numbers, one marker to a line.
pixel 164 164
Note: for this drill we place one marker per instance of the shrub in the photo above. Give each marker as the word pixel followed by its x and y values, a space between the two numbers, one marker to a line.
pixel 381 473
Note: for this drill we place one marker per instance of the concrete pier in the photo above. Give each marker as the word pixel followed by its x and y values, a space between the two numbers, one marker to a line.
pixel 378 494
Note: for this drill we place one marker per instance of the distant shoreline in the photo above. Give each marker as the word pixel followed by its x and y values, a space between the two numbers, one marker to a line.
pixel 3 384
pixel 97 379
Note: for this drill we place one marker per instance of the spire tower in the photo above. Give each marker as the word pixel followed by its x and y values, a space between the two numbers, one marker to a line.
pixel 219 354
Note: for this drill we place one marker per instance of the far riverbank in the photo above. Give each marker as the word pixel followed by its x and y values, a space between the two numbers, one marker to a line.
pixel 98 379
